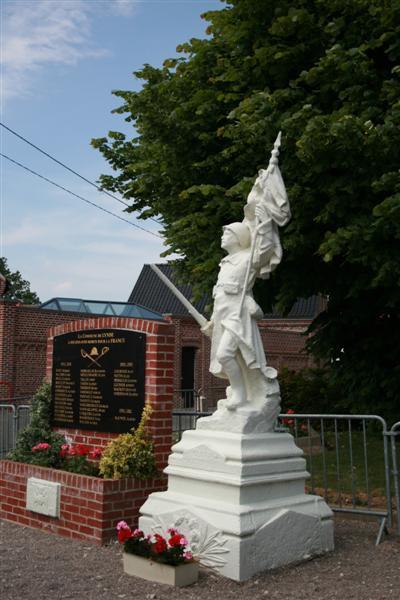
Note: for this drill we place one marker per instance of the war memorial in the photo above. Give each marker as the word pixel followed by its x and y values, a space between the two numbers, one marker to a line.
pixel 236 488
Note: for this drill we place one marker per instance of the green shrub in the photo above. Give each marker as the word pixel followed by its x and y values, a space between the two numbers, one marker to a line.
pixel 39 432
pixel 130 454
pixel 310 391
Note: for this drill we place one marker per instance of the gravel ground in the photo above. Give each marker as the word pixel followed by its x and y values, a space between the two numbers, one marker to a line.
pixel 35 565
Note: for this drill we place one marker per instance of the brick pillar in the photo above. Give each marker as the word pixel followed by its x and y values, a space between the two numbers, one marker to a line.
pixel 159 387
pixel 8 310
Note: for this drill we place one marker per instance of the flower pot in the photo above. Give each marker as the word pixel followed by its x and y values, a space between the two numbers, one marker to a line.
pixel 180 575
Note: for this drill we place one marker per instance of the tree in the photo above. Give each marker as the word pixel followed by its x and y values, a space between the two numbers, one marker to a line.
pixel 17 287
pixel 328 75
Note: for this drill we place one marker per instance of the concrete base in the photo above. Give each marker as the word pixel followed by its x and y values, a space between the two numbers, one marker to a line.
pixel 240 501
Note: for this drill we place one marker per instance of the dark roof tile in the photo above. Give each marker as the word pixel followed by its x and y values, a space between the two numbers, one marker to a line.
pixel 151 292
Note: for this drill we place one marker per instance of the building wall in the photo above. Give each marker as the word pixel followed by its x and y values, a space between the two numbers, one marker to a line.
pixel 24 331
pixel 23 339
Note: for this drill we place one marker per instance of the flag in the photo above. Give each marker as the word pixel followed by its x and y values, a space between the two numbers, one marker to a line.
pixel 269 194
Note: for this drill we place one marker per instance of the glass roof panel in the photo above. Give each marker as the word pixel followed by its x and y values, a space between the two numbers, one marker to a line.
pixel 52 305
pixel 101 307
pixel 117 308
pixel 71 304
pixel 110 310
pixel 98 308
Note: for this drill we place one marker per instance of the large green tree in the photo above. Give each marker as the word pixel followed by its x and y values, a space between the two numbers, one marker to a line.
pixel 17 287
pixel 328 75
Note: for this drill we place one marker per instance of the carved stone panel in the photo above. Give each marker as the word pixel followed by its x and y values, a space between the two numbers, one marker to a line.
pixel 43 497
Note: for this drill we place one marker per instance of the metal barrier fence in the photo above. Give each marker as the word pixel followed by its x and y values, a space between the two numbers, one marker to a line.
pixel 348 456
pixel 395 434
pixel 12 420
pixel 348 459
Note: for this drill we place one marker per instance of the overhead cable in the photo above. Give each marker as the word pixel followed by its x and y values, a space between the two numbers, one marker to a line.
pixel 92 183
pixel 78 196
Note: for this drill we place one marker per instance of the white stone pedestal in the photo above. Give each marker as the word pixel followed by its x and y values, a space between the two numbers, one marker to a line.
pixel 239 499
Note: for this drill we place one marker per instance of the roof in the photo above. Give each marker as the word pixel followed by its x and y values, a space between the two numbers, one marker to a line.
pixel 102 307
pixel 303 308
pixel 151 292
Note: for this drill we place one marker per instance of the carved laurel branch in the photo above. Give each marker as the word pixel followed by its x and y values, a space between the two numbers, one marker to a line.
pixel 206 542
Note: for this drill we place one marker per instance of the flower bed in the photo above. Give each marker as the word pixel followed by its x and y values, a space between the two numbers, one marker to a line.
pixel 90 507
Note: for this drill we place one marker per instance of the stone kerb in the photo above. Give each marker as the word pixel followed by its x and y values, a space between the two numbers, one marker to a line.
pixel 159 373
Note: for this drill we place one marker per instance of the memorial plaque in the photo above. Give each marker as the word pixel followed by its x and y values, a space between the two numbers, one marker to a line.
pixel 98 380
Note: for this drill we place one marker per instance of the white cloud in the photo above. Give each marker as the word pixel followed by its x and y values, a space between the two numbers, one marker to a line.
pixel 124 7
pixel 63 286
pixel 39 33
pixel 71 253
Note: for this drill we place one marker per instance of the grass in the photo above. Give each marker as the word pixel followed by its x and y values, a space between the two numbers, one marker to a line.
pixel 345 471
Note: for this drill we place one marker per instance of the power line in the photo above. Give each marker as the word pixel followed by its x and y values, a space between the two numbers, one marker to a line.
pixel 99 189
pixel 77 196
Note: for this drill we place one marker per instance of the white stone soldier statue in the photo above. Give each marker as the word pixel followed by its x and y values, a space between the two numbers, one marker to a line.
pixel 254 250
pixel 237 352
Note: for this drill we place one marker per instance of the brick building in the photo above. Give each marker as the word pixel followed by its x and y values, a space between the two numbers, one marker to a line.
pixel 24 331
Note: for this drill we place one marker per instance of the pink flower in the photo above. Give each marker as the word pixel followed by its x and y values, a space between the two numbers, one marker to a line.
pixel 172 530
pixel 122 525
pixel 138 533
pixel 184 541
pixel 41 446
pixel 64 450
pixel 188 555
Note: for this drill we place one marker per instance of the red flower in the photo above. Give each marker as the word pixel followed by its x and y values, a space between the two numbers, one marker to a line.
pixel 161 545
pixel 175 540
pixel 289 422
pixel 82 450
pixel 124 534
pixel 95 453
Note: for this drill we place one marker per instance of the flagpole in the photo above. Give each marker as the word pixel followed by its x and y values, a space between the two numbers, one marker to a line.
pixel 272 162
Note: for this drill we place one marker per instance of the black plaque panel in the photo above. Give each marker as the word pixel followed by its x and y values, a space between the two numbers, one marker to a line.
pixel 98 380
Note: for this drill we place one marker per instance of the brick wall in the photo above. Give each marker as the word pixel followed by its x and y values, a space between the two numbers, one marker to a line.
pixel 23 340
pixel 90 507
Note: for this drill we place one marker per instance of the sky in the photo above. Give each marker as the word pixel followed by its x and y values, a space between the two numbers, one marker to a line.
pixel 60 61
